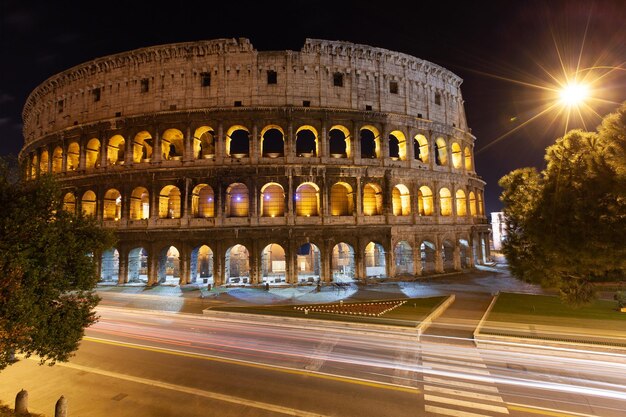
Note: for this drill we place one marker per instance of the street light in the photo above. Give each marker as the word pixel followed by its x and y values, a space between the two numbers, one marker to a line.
pixel 574 94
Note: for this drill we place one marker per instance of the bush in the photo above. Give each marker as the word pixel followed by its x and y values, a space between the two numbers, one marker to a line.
pixel 620 297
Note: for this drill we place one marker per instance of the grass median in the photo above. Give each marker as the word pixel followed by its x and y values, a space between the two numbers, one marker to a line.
pixel 405 312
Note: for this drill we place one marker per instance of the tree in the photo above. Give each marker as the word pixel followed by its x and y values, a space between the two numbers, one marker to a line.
pixel 567 224
pixel 47 295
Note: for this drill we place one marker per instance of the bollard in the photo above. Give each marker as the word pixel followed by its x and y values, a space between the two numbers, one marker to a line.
pixel 60 409
pixel 21 402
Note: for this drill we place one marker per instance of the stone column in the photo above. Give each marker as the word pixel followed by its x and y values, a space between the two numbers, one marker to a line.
pixel 290 197
pixel 359 264
pixel 384 142
pixel 417 259
pixel 290 264
pixel 218 265
pixel 356 143
pixel 255 145
pixel 438 256
pixel 129 153
pixel 390 262
pixel 323 140
pixel 64 146
pixel 82 153
pixel 188 146
pixel 326 256
pixel 104 150
pixel 359 198
pixel 185 261
pixel 457 256
pixel 220 143
pixel 254 262
pixel 152 266
pixel 122 277
pixel 157 152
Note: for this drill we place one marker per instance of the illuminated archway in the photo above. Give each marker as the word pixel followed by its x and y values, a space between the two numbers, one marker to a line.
pixel 339 142
pixel 427 254
pixel 308 263
pixel 110 266
pixel 375 265
pixel 468 159
pixel 341 200
pixel 139 204
pixel 112 205
pixel 461 203
pixel 401 200
pixel 204 143
pixel 447 253
pixel 69 203
pixel 272 141
pixel 441 152
pixel 237 265
pixel 457 156
pixel 172 145
pixel 169 202
pixel 43 162
pixel 372 200
pixel 445 202
pixel 343 263
pixel 57 160
pixel 397 145
pixel 420 148
pixel 34 162
pixel 88 203
pixel 425 201
pixel 370 142
pixel 168 267
pixel 237 200
pixel 202 264
pixel 92 154
pixel 143 146
pixel 238 141
pixel 115 150
pixel 465 253
pixel 203 201
pixel 307 200
pixel 273 264
pixel 73 156
pixel 472 203
pixel 403 254
pixel 272 200
pixel 306 141
pixel 138 265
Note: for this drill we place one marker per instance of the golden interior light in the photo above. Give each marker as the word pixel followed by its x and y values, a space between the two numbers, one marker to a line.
pixel 574 94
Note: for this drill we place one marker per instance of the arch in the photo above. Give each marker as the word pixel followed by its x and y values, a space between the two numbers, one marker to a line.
pixel 202 264
pixel 307 144
pixel 397 145
pixel 461 203
pixel 372 200
pixel 43 162
pixel 464 253
pixel 110 266
pixel 445 202
pixel 447 254
pixel 57 160
pixel 341 200
pixel 92 154
pixel 139 204
pixel 204 143
pixel 272 200
pixel 237 200
pixel 34 162
pixel 370 142
pixel 472 203
pixel 468 158
pixel 138 265
pixel 172 145
pixel 342 263
pixel 73 156
pixel 115 150
pixel 339 142
pixel 88 203
pixel 168 266
pixel 69 203
pixel 425 201
pixel 273 264
pixel 420 148
pixel 375 265
pixel 403 254
pixel 441 152
pixel 272 141
pixel 480 204
pixel 308 263
pixel 401 200
pixel 307 200
pixel 457 156
pixel 237 265
pixel 427 255
pixel 112 205
pixel 143 146
pixel 203 201
pixel 169 202
pixel 238 141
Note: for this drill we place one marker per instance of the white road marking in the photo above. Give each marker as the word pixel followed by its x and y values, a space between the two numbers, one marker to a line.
pixel 460 393
pixel 469 404
pixel 471 385
pixel 450 412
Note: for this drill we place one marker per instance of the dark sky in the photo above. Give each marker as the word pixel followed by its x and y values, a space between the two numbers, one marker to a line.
pixel 487 43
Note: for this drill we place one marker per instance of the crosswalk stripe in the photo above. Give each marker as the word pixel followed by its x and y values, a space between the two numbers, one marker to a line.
pixel 456 368
pixel 463 403
pixel 450 412
pixel 460 393
pixel 471 385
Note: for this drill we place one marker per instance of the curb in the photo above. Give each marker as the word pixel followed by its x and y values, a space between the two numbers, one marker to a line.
pixel 484 318
pixel 425 324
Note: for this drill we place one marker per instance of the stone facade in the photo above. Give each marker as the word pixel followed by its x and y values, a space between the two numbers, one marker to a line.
pixel 344 148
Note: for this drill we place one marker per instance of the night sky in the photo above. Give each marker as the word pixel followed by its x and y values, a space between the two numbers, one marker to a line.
pixel 503 50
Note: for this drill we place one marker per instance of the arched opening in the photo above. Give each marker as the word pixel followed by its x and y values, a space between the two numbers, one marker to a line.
pixel 341 200
pixel 138 266
pixel 445 202
pixel 307 200
pixel 397 145
pixel 168 268
pixel 420 148
pixel 372 200
pixel 273 266
pixel 142 147
pixel 237 265
pixel 441 152
pixel 370 142
pixel 112 207
pixel 447 254
pixel 375 265
pixel 115 150
pixel 343 263
pixel 203 201
pixel 339 142
pixel 43 162
pixel 69 203
pixel 172 145
pixel 306 142
pixel 481 207
pixel 427 253
pixel 425 201
pixel 472 203
pixel 88 203
pixel 308 263
pixel 403 254
pixel 272 142
pixel 202 265
pixel 34 162
pixel 57 160
pixel 457 156
pixel 139 204
pixel 272 200
pixel 169 202
pixel 238 142
pixel 461 203
pixel 237 200
pixel 110 266
pixel 468 159
pixel 92 154
pixel 73 156
pixel 401 200
pixel 465 253
pixel 204 143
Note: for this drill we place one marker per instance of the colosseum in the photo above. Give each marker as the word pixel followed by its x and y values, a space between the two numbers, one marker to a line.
pixel 217 163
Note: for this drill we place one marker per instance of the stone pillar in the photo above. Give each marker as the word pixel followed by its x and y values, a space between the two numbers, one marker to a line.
pixel 390 262
pixel 153 259
pixel 384 142
pixel 417 259
pixel 157 152
pixel 290 198
pixel 410 149
pixel 104 150
pixel 129 153
pixel 220 143
pixel 188 146
pixel 457 256
pixel 82 153
pixel 359 262
pixel 255 145
pixel 326 255
pixel 359 197
pixel 154 204
pixel 438 257
pixel 218 265
pixel 289 141
pixel 185 261
pixel 323 140
pixel 290 263
pixel 122 277
pixel 356 143
pixel 64 146
pixel 254 262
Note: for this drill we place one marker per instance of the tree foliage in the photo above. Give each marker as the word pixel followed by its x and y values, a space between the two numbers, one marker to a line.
pixel 567 224
pixel 48 270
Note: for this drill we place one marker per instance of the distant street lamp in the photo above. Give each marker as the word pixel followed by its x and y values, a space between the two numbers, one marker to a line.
pixel 574 94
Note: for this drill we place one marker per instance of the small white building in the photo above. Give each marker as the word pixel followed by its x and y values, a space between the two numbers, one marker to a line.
pixel 498 230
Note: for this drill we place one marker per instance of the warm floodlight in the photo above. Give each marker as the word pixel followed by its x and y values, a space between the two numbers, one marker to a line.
pixel 574 94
